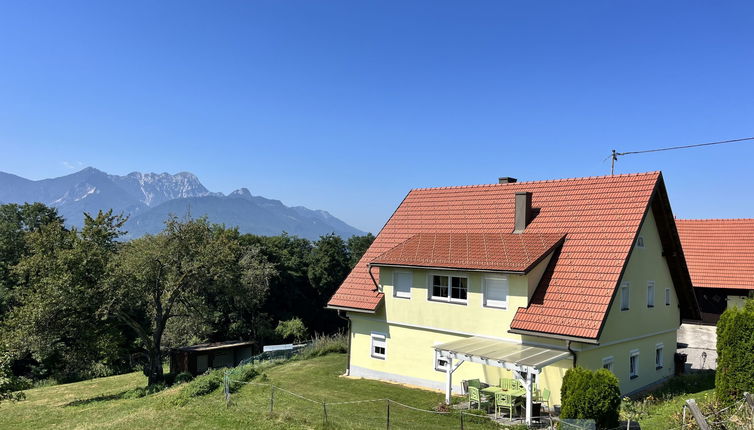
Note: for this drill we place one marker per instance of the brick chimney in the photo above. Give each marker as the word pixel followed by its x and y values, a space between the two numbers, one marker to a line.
pixel 506 180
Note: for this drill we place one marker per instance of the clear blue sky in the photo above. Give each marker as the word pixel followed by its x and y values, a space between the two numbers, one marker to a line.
pixel 345 106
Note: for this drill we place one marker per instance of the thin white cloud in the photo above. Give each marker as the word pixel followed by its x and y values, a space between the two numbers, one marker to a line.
pixel 72 165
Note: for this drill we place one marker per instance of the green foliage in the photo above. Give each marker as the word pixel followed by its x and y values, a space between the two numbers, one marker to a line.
pixel 357 246
pixel 9 385
pixel 191 270
pixel 587 394
pixel 183 378
pixel 54 318
pixel 292 329
pixel 735 345
pixel 204 384
pixel 323 344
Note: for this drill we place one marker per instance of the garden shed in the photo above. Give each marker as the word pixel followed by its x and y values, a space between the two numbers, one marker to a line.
pixel 197 359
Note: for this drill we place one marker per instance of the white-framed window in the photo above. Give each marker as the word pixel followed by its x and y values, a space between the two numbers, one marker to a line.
pixel 640 242
pixel 496 292
pixel 667 296
pixel 607 363
pixel 379 345
pixel 441 363
pixel 625 296
pixel 633 364
pixel 659 356
pixel 449 288
pixel 402 283
pixel 650 294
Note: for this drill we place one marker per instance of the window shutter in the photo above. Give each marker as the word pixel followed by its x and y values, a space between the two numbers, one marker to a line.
pixel 496 292
pixel 403 282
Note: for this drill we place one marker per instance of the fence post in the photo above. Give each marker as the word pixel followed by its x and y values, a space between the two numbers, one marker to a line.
pixel 683 420
pixel 750 401
pixel 324 418
pixel 461 420
pixel 226 381
pixel 272 398
pixel 388 414
pixel 698 416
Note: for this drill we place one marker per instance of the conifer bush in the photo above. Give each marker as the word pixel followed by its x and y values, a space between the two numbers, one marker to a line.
pixel 735 352
pixel 587 394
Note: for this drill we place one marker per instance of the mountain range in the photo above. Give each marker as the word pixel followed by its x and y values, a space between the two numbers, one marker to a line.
pixel 149 198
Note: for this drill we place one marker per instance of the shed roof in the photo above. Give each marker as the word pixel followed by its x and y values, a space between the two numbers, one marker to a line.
pixel 215 345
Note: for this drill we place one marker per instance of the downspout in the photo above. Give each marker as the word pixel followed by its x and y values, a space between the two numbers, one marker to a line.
pixel 374 281
pixel 348 351
pixel 573 353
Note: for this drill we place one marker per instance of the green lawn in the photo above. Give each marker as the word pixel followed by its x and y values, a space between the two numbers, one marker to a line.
pixel 99 403
pixel 670 398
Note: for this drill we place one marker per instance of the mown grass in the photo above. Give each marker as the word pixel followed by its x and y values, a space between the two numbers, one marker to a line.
pixel 104 403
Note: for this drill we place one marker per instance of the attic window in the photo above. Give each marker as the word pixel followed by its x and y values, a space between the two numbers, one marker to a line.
pixel 449 288
pixel 640 242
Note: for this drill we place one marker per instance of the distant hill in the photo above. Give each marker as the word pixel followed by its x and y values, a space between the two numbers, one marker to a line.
pixel 149 198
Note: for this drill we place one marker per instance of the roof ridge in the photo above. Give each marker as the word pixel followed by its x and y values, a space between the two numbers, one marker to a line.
pixel 543 181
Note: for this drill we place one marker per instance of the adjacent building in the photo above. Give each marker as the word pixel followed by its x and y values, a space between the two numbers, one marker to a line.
pixel 522 280
pixel 720 257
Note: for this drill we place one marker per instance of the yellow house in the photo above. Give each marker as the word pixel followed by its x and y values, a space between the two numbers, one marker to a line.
pixel 522 280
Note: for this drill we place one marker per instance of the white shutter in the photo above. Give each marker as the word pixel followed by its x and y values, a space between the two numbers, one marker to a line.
pixel 496 292
pixel 402 284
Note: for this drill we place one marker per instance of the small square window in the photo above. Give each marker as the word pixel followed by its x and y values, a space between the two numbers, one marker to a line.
pixel 633 364
pixel 379 346
pixel 667 296
pixel 625 298
pixel 640 242
pixel 650 294
pixel 607 363
pixel 659 360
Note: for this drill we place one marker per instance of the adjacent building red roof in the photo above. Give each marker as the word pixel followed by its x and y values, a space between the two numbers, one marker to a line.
pixel 508 252
pixel 719 252
pixel 601 217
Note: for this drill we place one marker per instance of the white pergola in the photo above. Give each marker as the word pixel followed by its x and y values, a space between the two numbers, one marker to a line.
pixel 523 361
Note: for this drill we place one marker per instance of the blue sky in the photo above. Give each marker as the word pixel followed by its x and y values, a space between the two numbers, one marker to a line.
pixel 345 106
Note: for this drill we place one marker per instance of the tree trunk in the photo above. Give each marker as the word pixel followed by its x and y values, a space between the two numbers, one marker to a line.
pixel 154 374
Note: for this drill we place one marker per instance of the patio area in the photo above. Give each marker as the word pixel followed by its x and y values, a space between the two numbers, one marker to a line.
pixel 510 397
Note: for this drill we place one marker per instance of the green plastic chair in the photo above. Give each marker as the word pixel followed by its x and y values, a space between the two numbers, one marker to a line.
pixel 474 383
pixel 506 383
pixel 544 398
pixel 505 401
pixel 475 396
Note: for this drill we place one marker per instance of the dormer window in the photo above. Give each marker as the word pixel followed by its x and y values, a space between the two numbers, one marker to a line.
pixel 640 242
pixel 450 288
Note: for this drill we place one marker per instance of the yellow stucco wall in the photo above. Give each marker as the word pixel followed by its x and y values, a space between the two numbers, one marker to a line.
pixel 413 326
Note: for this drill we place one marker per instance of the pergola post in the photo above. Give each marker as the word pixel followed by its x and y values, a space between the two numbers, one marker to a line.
pixel 449 380
pixel 528 398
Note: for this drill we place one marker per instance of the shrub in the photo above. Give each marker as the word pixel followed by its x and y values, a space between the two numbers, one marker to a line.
pixel 242 374
pixel 587 394
pixel 735 341
pixel 293 328
pixel 204 384
pixel 183 377
pixel 322 345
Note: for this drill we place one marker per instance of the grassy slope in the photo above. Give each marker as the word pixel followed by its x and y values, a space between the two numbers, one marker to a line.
pixel 99 404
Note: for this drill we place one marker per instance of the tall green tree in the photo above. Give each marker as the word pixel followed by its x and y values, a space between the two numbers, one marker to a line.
pixel 735 346
pixel 357 246
pixel 329 265
pixel 16 222
pixel 157 279
pixel 57 297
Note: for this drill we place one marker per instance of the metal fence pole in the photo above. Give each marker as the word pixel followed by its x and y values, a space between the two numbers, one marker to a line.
pixel 272 398
pixel 461 420
pixel 388 414
pixel 324 417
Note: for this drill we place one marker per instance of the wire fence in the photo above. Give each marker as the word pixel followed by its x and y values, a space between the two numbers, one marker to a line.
pixel 282 404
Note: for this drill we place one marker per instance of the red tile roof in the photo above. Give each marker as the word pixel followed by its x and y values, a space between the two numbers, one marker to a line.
pixel 508 252
pixel 719 252
pixel 600 215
